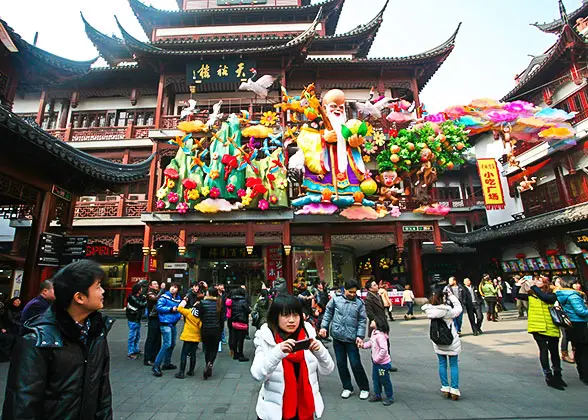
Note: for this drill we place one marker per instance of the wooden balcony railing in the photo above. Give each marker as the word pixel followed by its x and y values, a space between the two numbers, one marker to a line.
pixel 580 116
pixel 109 209
pixel 455 203
pixel 536 207
pixel 129 131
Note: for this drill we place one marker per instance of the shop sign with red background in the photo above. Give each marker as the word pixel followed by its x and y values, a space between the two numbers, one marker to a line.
pixel 273 262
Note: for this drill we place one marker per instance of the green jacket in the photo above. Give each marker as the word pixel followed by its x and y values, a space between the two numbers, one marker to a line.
pixel 488 290
pixel 540 318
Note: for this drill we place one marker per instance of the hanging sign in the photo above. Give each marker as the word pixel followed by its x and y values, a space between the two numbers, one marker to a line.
pixel 491 186
pixel 273 263
pixel 580 238
pixel 61 193
pixel 417 228
pixel 219 71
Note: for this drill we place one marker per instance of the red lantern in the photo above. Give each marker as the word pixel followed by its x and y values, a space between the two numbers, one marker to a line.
pixel 551 252
pixel 520 256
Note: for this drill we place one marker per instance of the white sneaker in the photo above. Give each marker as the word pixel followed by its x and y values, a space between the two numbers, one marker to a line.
pixel 346 393
pixel 363 395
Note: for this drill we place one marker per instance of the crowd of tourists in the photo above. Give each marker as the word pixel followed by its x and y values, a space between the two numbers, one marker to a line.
pixel 59 339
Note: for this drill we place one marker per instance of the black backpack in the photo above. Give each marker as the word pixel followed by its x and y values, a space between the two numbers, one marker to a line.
pixel 440 333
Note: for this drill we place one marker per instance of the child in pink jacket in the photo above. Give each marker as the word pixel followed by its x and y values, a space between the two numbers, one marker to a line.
pixel 381 361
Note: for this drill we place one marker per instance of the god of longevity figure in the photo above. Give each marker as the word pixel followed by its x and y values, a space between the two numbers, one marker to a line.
pixel 332 162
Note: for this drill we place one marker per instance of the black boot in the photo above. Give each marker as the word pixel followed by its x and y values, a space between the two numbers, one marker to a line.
pixel 180 374
pixel 208 370
pixel 552 382
pixel 192 366
pixel 557 377
pixel 242 358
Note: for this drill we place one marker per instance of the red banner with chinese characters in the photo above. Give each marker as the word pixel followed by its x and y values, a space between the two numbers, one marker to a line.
pixel 491 186
pixel 273 263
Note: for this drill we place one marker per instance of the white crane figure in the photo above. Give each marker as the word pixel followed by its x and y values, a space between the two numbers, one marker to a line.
pixel 260 87
pixel 216 114
pixel 188 110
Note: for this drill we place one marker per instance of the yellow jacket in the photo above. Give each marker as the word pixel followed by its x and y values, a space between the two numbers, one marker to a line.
pixel 540 319
pixel 192 326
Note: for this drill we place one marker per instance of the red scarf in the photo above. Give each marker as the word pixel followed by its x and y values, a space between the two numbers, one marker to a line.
pixel 298 396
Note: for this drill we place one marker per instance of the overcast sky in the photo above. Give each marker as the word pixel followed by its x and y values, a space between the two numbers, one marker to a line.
pixel 493 45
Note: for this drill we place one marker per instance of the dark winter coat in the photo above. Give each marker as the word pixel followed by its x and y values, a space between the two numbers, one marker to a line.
pixel 153 296
pixel 35 307
pixel 212 320
pixel 54 375
pixel 11 317
pixel 374 306
pixel 240 309
pixel 135 308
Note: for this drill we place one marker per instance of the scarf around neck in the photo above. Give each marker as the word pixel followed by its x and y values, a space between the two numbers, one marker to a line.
pixel 298 398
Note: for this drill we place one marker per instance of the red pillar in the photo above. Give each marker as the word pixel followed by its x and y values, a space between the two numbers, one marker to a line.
pixel 32 272
pixel 41 110
pixel 416 267
pixel 562 187
pixel 159 106
pixel 415 93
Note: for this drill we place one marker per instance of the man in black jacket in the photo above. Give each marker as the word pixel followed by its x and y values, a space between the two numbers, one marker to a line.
pixel 136 304
pixel 473 306
pixel 374 308
pixel 60 367
pixel 153 341
pixel 458 291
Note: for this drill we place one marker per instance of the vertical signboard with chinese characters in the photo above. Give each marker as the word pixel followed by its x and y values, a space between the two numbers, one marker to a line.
pixel 491 185
pixel 273 263
pixel 219 71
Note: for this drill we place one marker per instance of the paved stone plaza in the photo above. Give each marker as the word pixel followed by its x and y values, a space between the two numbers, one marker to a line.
pixel 500 377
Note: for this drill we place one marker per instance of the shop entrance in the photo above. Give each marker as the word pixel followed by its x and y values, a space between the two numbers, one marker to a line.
pixel 232 266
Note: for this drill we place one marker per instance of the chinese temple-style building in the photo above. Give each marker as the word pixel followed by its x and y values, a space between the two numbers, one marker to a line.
pixel 41 176
pixel 543 227
pixel 130 109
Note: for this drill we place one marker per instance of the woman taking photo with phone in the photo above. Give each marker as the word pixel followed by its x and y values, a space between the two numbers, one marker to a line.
pixel 288 359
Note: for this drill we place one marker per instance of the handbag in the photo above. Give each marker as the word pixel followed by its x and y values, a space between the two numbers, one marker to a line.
pixel 240 326
pixel 559 317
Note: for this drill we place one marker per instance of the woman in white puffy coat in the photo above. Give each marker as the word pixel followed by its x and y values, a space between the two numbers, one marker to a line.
pixel 444 305
pixel 290 386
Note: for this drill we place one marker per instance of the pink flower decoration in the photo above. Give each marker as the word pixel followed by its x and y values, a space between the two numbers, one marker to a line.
pixel 214 192
pixel 241 192
pixel 160 205
pixel 502 116
pixel 438 118
pixel 230 188
pixel 172 197
pixel 182 208
pixel 263 204
pixel 273 199
pixel 518 106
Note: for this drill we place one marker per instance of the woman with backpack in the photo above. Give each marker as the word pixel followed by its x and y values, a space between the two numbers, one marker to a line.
pixel 211 312
pixel 441 310
pixel 239 318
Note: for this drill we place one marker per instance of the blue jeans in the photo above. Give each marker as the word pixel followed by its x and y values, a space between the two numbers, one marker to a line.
pixel 457 321
pixel 134 337
pixel 342 351
pixel 381 378
pixel 409 306
pixel 443 370
pixel 168 336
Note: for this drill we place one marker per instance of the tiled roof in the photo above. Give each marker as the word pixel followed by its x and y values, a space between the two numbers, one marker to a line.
pixel 568 215
pixel 66 67
pixel 567 39
pixel 112 49
pixel 434 57
pixel 146 49
pixel 557 25
pixel 151 18
pixel 81 163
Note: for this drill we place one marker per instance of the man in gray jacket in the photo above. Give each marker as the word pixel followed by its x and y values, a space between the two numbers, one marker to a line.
pixel 345 314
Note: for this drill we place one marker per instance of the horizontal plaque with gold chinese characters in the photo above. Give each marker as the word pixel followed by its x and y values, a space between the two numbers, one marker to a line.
pixel 219 71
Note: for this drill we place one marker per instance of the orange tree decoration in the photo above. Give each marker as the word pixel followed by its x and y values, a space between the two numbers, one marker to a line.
pixel 444 145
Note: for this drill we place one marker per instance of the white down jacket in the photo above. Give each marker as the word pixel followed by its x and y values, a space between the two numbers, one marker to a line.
pixel 447 313
pixel 267 368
